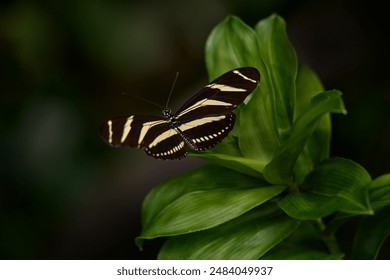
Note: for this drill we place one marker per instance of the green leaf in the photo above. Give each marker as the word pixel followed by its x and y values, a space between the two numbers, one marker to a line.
pixel 335 185
pixel 280 169
pixel 317 146
pixel 240 164
pixel 281 68
pixel 208 177
pixel 230 45
pixel 308 85
pixel 200 199
pixel 200 210
pixel 270 110
pixel 228 146
pixel 380 192
pixel 267 118
pixel 228 155
pixel 306 243
pixel 247 237
pixel 374 230
pixel 370 235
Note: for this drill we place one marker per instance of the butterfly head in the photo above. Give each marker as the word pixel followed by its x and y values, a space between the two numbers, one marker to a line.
pixel 167 112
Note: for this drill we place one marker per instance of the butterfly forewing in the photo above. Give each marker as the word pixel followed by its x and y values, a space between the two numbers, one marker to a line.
pixel 130 131
pixel 223 94
pixel 153 134
pixel 200 124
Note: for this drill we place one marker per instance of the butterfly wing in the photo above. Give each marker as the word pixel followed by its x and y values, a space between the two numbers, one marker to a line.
pixel 207 118
pixel 201 123
pixel 204 133
pixel 222 95
pixel 153 134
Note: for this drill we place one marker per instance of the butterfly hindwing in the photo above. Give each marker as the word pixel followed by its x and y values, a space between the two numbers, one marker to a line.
pixel 172 147
pixel 205 133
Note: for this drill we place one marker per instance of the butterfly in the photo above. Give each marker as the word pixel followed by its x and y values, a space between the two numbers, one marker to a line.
pixel 200 124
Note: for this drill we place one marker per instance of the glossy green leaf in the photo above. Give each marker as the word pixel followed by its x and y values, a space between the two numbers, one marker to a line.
pixel 317 146
pixel 230 45
pixel 200 199
pixel 247 237
pixel 208 177
pixel 306 243
pixel 267 117
pixel 335 185
pixel 281 67
pixel 309 206
pixel 308 85
pixel 228 155
pixel 240 164
pixel 199 210
pixel 374 230
pixel 228 146
pixel 370 235
pixel 270 109
pixel 280 169
pixel 380 192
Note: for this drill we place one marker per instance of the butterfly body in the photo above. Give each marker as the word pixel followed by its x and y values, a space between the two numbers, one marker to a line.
pixel 200 124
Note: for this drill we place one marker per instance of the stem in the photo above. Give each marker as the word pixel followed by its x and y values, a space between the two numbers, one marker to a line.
pixel 329 239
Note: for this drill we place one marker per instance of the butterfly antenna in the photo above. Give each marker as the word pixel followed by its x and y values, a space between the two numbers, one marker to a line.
pixel 143 99
pixel 173 85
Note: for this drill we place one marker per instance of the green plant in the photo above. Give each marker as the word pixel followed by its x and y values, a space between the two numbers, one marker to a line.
pixel 272 191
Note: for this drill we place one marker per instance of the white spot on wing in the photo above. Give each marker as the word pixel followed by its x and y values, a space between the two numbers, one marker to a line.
pixel 126 129
pixel 225 87
pixel 243 76
pixel 204 102
pixel 109 131
pixel 200 122
pixel 175 149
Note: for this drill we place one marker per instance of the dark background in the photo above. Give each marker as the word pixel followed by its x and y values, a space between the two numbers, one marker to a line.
pixel 64 194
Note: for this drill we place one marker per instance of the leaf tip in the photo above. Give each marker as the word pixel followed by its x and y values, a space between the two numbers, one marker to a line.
pixel 139 241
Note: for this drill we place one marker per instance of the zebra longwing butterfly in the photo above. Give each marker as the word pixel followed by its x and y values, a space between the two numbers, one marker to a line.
pixel 200 124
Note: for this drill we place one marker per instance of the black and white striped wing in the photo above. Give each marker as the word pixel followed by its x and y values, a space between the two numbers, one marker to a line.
pixel 207 118
pixel 153 134
pixel 201 123
pixel 222 95
pixel 204 133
